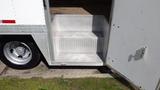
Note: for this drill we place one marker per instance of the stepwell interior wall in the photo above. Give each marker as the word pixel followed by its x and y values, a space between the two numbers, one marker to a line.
pixel 134 45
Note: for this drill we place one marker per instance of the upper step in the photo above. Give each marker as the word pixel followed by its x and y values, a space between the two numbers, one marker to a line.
pixel 72 22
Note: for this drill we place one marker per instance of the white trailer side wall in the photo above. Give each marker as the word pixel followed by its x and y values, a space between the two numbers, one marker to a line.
pixel 30 20
pixel 25 12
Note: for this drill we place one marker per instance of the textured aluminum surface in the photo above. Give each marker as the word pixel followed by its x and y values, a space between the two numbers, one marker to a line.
pixel 23 29
pixel 78 42
pixel 77 59
pixel 78 39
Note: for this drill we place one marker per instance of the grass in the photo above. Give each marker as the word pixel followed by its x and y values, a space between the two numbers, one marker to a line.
pixel 61 84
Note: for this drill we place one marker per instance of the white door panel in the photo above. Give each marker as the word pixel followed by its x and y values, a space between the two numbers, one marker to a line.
pixel 136 27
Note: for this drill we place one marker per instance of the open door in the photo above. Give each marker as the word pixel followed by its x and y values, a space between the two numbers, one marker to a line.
pixel 134 46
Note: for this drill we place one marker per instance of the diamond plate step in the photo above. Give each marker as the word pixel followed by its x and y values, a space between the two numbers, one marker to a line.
pixel 76 23
pixel 78 59
pixel 78 42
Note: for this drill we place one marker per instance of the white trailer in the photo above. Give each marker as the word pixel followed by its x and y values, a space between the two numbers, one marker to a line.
pixel 128 43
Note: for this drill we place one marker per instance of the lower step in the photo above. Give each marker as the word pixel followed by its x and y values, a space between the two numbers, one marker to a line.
pixel 78 59
pixel 78 42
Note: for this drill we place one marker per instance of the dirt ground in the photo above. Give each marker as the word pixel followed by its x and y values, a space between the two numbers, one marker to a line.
pixel 2 68
pixel 43 71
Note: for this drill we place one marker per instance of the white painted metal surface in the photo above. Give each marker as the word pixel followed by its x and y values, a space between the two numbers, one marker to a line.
pixel 25 12
pixel 136 25
pixel 6 10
